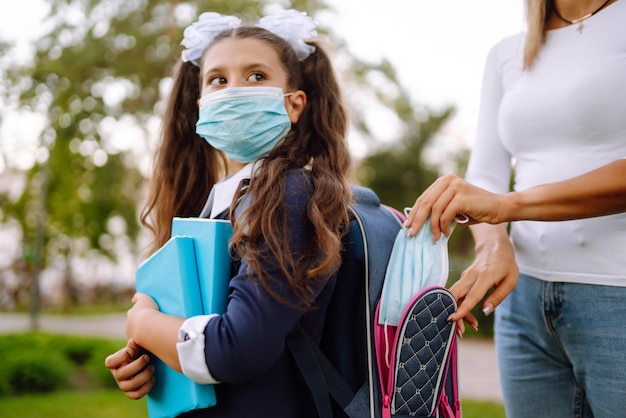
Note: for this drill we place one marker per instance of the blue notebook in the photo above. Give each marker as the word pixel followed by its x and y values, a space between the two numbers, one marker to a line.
pixel 188 276
pixel 213 259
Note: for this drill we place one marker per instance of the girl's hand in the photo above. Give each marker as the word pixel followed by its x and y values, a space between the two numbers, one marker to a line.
pixel 143 301
pixel 153 330
pixel 131 370
pixel 141 304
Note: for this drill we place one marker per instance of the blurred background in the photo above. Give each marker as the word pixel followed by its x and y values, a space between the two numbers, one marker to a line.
pixel 82 84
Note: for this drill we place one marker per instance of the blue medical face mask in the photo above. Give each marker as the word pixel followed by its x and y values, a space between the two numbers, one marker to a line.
pixel 415 263
pixel 244 122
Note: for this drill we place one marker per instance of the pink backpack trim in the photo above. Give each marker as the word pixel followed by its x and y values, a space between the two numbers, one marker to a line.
pixel 386 340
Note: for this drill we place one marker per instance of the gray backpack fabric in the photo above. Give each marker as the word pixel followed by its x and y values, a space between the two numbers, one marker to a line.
pixel 344 364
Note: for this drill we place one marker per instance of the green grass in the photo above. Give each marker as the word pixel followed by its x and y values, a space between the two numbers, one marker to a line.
pixel 113 403
pixel 482 409
pixel 90 390
pixel 93 404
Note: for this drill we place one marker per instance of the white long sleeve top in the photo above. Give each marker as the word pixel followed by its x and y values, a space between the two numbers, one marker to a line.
pixel 562 118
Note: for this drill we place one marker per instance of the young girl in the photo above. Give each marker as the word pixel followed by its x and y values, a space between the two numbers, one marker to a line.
pixel 268 101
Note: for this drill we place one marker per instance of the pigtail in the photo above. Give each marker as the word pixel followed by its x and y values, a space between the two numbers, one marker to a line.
pixel 324 123
pixel 325 118
pixel 186 166
pixel 317 147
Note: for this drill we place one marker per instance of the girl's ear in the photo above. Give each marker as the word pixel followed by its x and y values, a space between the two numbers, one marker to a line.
pixel 295 104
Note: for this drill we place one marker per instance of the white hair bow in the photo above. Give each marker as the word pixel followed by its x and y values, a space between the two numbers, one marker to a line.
pixel 293 26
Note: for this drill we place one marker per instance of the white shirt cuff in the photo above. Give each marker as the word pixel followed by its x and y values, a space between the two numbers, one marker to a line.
pixel 190 349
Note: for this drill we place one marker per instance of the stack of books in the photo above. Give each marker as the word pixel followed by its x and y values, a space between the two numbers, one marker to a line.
pixel 186 277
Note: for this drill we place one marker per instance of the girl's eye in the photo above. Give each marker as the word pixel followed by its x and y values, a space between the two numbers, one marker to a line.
pixel 217 81
pixel 256 77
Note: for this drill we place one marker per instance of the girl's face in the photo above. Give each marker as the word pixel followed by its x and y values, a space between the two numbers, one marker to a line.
pixel 247 62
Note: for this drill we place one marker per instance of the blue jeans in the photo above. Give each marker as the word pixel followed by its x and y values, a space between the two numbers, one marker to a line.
pixel 562 350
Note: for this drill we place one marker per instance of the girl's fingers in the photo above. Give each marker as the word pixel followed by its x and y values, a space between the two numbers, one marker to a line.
pixel 119 358
pixel 139 386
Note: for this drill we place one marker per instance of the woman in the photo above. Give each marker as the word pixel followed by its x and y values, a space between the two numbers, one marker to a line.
pixel 553 104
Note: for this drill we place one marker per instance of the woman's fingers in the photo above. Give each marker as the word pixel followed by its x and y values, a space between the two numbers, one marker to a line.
pixel 474 284
pixel 501 290
pixel 440 202
pixel 460 329
pixel 471 299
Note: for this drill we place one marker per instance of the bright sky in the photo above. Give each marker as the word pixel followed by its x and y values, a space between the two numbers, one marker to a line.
pixel 438 47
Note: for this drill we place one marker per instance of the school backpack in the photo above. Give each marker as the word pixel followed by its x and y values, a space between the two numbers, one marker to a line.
pixel 415 363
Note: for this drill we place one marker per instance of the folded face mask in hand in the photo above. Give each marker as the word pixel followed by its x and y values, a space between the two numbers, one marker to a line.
pixel 416 263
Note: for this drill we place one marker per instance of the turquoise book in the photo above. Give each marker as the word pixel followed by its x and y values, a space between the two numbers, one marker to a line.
pixel 188 276
pixel 213 258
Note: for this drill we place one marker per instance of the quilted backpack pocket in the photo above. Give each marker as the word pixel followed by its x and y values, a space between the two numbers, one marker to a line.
pixel 421 355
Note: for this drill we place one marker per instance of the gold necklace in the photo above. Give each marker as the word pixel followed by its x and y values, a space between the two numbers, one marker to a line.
pixel 580 19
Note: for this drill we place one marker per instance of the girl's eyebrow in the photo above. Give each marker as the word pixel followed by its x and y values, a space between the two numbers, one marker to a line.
pixel 211 70
pixel 257 65
pixel 247 67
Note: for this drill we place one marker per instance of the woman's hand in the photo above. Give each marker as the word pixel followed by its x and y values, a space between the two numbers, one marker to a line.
pixel 131 370
pixel 494 267
pixel 449 198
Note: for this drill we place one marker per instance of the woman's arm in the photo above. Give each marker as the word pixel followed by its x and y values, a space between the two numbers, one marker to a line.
pixel 596 193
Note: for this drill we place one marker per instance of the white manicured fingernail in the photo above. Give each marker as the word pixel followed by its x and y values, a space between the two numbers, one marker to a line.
pixel 488 309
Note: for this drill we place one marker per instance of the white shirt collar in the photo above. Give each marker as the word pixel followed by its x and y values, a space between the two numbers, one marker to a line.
pixel 222 193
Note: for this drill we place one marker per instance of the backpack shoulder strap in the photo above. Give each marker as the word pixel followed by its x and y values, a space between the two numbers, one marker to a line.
pixel 377 226
pixel 321 377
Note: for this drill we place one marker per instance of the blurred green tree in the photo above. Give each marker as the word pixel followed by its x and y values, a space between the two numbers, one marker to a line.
pixel 97 79
pixel 400 171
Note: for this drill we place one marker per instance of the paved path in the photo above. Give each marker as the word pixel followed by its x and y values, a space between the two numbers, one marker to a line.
pixel 478 372
pixel 110 326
